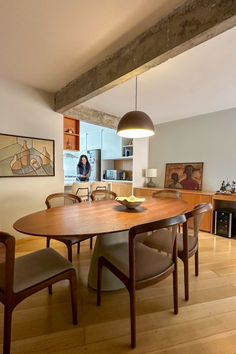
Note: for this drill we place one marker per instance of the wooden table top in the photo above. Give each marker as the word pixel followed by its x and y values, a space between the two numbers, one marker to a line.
pixel 94 218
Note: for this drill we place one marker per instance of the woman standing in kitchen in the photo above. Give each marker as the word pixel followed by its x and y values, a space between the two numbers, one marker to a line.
pixel 83 169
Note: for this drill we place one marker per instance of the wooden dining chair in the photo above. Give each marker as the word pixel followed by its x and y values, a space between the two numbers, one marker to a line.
pixel 187 241
pixel 167 193
pixel 82 189
pixel 60 199
pixel 105 194
pixel 26 275
pixel 102 185
pixel 138 266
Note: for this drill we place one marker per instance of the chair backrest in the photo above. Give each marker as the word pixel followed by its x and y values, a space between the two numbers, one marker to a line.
pixel 195 216
pixel 172 222
pixel 82 189
pixel 100 194
pixel 7 267
pixel 60 199
pixel 103 185
pixel 167 193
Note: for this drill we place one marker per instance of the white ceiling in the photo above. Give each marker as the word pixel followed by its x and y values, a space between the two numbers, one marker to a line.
pixel 47 43
pixel 199 81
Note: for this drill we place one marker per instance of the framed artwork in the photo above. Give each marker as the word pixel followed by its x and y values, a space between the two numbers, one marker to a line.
pixel 22 156
pixel 184 175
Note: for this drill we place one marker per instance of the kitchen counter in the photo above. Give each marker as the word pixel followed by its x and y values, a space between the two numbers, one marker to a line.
pixel 117 180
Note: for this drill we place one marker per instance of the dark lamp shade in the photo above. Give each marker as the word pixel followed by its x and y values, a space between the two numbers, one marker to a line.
pixel 135 124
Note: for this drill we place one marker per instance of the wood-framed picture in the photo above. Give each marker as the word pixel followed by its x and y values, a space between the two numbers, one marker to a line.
pixel 22 156
pixel 187 175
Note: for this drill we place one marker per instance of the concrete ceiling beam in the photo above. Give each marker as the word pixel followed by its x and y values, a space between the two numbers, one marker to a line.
pixel 192 23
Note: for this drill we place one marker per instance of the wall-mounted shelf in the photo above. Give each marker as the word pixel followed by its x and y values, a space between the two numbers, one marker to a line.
pixel 71 140
pixel 121 158
pixel 65 133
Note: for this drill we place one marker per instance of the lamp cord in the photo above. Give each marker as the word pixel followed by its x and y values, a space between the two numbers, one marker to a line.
pixel 136 92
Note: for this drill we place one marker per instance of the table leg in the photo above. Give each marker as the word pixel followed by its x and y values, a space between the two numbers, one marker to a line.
pixel 109 280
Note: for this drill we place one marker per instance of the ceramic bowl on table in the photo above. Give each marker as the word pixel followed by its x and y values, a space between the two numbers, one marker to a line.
pixel 130 202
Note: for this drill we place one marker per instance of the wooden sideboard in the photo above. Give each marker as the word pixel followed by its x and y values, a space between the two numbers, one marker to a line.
pixel 218 201
pixel 122 189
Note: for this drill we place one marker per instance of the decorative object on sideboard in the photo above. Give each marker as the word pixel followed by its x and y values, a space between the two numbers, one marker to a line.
pixel 22 156
pixel 184 175
pixel 227 188
pixel 151 173
pixel 135 124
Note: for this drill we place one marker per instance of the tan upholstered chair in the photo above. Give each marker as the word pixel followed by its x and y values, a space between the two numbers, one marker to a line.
pixel 60 199
pixel 100 185
pixel 82 189
pixel 187 241
pixel 138 266
pixel 24 276
pixel 100 194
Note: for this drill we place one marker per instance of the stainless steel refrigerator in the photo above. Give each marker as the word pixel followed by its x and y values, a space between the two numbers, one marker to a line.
pixel 94 158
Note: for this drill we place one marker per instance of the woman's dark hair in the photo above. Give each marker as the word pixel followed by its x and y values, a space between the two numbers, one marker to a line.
pixel 80 164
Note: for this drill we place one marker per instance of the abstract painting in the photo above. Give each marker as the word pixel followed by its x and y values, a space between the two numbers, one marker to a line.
pixel 22 156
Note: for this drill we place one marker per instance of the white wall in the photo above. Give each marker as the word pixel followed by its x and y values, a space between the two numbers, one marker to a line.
pixel 28 112
pixel 140 161
pixel 209 138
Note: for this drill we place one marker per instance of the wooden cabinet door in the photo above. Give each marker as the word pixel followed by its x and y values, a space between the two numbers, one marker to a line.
pixel 143 192
pixel 191 198
pixel 122 189
pixel 194 199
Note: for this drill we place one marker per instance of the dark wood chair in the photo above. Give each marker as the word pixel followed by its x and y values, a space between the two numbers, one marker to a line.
pixel 24 276
pixel 60 199
pixel 103 194
pixel 187 241
pixel 167 193
pixel 138 266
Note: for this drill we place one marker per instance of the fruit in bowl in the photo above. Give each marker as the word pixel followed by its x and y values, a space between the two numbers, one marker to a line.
pixel 130 202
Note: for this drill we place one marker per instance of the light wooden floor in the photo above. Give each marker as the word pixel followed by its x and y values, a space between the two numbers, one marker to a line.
pixel 205 324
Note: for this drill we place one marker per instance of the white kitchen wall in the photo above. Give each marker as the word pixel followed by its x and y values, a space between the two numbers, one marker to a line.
pixel 140 161
pixel 209 138
pixel 28 112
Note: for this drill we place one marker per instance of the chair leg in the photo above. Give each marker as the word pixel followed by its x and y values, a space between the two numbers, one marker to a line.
pixel 73 292
pixel 78 247
pixel 132 317
pixel 175 291
pixel 99 280
pixel 7 330
pixel 48 242
pixel 91 243
pixel 186 279
pixel 69 248
pixel 196 264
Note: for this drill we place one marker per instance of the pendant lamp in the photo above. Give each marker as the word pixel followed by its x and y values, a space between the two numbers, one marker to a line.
pixel 135 124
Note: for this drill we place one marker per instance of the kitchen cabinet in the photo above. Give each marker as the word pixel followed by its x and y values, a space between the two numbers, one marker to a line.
pixel 93 140
pixel 111 144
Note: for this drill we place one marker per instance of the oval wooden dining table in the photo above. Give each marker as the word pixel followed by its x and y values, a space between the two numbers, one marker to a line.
pixel 106 219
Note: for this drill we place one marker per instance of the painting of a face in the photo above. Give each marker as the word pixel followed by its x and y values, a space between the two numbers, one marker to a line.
pixel 184 175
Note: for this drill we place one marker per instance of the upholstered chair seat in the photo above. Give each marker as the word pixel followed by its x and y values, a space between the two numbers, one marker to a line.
pixel 26 275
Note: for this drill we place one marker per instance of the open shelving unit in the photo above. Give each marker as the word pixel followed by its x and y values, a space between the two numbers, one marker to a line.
pixel 71 140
